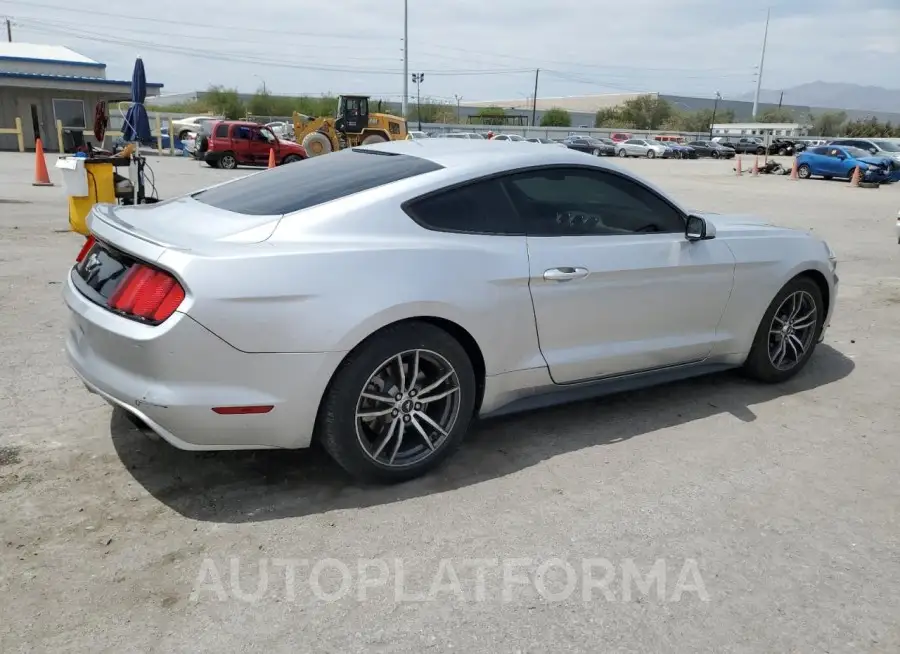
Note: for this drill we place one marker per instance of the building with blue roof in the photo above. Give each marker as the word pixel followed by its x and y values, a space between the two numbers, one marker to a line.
pixel 43 84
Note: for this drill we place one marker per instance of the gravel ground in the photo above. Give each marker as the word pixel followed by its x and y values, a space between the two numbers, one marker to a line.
pixel 768 515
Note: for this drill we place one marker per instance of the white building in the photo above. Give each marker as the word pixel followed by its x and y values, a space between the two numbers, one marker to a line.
pixel 760 129
pixel 42 84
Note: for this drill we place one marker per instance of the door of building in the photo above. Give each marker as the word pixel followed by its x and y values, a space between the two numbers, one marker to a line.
pixel 33 125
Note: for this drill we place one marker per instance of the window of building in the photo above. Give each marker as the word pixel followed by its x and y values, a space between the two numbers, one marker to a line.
pixel 70 113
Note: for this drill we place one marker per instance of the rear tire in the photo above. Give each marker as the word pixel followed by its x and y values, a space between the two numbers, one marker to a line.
pixel 788 332
pixel 622 153
pixel 803 171
pixel 316 144
pixel 228 161
pixel 373 139
pixel 714 154
pixel 369 382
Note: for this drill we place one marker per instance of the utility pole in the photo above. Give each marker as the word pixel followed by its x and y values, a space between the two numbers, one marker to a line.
pixel 715 108
pixel 458 98
pixel 417 79
pixel 9 30
pixel 781 99
pixel 404 107
pixel 534 99
pixel 762 61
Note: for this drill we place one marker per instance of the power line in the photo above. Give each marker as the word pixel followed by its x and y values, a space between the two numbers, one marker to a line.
pixel 245 58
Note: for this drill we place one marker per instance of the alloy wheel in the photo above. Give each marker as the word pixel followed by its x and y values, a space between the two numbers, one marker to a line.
pixel 793 330
pixel 408 408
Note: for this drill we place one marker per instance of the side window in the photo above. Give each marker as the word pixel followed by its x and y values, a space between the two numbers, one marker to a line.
pixel 581 202
pixel 478 208
pixel 222 131
pixel 820 151
pixel 241 132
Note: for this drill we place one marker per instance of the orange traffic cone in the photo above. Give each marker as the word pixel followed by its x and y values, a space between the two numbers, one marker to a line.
pixel 756 166
pixel 41 176
pixel 271 157
pixel 854 181
pixel 794 174
pixel 740 169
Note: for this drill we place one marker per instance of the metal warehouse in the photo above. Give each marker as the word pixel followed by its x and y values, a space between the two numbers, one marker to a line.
pixel 49 91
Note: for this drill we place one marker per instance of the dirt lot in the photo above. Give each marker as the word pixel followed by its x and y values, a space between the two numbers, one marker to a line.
pixel 780 505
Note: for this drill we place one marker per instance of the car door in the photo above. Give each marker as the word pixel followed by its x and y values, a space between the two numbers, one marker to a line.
pixel 832 162
pixel 241 136
pixel 634 147
pixel 616 286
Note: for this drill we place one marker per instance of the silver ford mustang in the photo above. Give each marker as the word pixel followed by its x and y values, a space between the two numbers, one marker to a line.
pixel 380 298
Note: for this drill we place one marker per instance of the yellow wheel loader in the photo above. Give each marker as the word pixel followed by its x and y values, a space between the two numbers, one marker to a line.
pixel 352 125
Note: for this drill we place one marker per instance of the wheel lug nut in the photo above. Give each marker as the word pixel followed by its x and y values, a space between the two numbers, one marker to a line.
pixel 412 393
pixel 398 396
pixel 394 413
pixel 418 406
pixel 406 418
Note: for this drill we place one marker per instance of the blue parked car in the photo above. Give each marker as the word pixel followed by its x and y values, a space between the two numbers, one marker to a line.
pixel 840 161
pixel 681 151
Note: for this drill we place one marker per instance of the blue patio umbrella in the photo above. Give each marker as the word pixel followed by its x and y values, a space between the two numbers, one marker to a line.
pixel 137 123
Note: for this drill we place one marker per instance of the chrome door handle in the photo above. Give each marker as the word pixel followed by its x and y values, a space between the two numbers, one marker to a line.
pixel 565 274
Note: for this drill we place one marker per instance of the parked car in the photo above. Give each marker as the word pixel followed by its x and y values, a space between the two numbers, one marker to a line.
pixel 619 137
pixel 508 137
pixel 236 143
pixel 743 145
pixel 840 161
pixel 680 150
pixel 282 129
pixel 711 149
pixel 590 145
pixel 877 147
pixel 183 126
pixel 463 135
pixel 643 148
pixel 185 314
pixel 546 141
pixel 782 147
pixel 416 135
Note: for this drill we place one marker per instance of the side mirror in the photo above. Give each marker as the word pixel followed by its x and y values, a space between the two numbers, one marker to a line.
pixel 697 229
pixel 873 150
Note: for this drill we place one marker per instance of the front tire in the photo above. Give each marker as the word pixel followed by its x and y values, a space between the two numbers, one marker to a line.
pixel 399 404
pixel 651 154
pixel 714 154
pixel 622 153
pixel 788 333
pixel 373 139
pixel 292 158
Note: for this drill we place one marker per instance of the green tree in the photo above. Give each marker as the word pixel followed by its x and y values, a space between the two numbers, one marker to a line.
pixel 646 112
pixel 556 117
pixel 609 117
pixel 225 102
pixel 261 104
pixel 829 123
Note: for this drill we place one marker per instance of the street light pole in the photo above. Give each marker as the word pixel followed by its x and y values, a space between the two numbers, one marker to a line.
pixel 458 99
pixel 762 60
pixel 404 107
pixel 417 79
pixel 715 108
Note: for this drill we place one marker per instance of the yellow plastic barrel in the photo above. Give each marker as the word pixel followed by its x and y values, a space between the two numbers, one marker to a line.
pixel 101 188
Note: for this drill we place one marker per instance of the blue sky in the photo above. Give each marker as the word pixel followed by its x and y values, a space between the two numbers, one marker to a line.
pixel 478 50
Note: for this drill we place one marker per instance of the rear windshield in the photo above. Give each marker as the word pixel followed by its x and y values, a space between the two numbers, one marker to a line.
pixel 314 181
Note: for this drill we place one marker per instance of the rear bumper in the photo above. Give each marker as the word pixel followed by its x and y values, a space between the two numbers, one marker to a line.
pixel 171 376
pixel 212 157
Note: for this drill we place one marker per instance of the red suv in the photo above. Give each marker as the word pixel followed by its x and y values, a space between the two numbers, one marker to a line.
pixel 234 143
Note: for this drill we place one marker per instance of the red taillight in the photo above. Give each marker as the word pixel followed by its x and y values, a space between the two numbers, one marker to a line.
pixel 147 293
pixel 82 253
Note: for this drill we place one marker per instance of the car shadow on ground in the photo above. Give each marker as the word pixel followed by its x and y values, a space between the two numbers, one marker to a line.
pixel 235 487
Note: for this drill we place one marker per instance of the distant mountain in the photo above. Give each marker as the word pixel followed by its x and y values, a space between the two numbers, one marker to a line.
pixel 836 95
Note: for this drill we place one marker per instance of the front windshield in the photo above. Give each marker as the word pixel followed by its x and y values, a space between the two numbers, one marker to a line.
pixel 887 146
pixel 856 153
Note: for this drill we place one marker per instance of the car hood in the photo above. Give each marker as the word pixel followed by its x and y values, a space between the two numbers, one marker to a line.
pixel 877 161
pixel 736 224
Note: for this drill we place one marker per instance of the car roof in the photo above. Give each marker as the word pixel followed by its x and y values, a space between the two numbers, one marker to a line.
pixel 478 157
